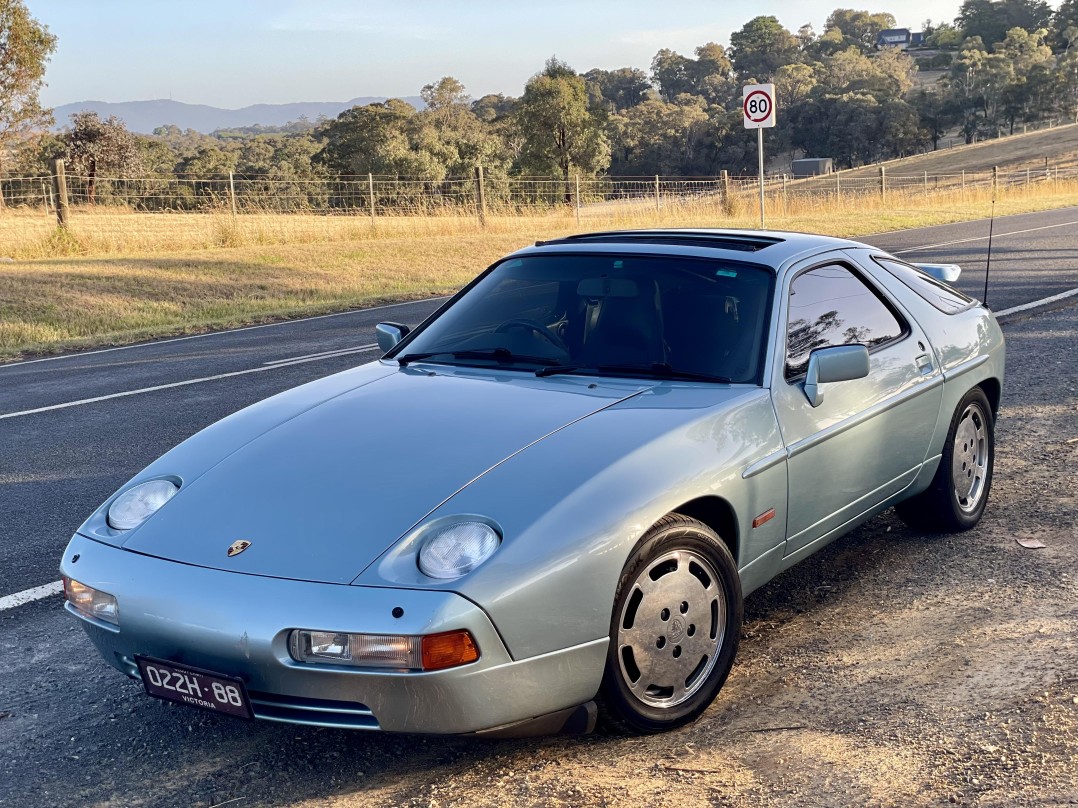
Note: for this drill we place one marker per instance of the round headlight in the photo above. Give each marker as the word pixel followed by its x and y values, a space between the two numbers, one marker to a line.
pixel 135 505
pixel 457 549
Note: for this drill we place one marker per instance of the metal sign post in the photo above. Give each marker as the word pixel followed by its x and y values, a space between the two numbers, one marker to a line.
pixel 759 108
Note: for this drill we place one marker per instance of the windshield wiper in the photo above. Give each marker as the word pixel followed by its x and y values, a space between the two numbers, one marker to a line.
pixel 498 354
pixel 656 370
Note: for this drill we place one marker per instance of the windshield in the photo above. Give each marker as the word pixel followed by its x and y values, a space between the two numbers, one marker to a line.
pixel 607 314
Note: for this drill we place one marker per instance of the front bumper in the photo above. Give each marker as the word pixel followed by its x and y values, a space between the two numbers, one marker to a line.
pixel 238 625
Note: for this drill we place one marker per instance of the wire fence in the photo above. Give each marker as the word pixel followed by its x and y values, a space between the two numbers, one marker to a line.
pixel 490 195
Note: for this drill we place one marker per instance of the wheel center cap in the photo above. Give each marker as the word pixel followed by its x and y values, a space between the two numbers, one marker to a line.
pixel 677 629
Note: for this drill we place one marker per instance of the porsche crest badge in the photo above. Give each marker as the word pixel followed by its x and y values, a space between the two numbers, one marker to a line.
pixel 238 547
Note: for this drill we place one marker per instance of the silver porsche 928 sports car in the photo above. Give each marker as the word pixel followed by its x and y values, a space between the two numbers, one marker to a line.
pixel 547 502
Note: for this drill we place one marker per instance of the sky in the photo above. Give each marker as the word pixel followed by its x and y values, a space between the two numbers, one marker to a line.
pixel 231 53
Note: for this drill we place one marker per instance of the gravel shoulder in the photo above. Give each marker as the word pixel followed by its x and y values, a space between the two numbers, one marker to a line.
pixel 891 669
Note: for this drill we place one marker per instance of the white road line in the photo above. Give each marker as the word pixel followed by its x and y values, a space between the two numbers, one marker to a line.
pixel 169 386
pixel 325 354
pixel 1008 217
pixel 982 238
pixel 30 595
pixel 216 333
pixel 56 587
pixel 1037 303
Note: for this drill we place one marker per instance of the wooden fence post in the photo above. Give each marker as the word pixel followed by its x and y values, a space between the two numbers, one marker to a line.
pixel 576 199
pixel 926 183
pixel 883 181
pixel 724 190
pixel 995 179
pixel 657 203
pixel 480 196
pixel 232 193
pixel 370 194
pixel 59 181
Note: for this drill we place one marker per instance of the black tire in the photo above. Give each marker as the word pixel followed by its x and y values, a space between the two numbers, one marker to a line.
pixel 956 499
pixel 696 634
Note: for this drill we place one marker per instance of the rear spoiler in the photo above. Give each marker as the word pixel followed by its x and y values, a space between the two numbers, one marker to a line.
pixel 948 273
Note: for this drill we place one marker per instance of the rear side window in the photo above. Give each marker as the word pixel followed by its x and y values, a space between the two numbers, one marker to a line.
pixel 945 298
pixel 830 305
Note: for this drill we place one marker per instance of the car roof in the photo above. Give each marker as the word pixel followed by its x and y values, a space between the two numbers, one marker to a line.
pixel 771 247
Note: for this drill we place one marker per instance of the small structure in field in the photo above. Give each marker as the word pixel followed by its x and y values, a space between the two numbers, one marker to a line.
pixel 812 167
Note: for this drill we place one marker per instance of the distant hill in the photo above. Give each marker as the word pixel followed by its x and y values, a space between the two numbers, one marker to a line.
pixel 145 116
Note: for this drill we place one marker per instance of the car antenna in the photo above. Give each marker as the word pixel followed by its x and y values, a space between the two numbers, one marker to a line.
pixel 988 260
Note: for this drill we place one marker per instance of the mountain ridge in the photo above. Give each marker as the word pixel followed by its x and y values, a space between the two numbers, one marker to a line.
pixel 145 116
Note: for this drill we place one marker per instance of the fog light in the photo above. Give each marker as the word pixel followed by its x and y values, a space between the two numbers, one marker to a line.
pixel 396 651
pixel 91 602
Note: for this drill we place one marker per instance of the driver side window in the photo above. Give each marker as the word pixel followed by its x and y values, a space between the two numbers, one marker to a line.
pixel 830 305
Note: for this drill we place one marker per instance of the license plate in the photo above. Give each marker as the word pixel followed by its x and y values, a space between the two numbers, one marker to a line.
pixel 194 687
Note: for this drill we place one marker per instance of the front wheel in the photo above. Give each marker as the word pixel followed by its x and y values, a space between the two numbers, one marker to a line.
pixel 956 499
pixel 674 631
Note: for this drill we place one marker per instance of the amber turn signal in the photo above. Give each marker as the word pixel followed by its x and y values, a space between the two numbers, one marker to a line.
pixel 448 650
pixel 764 518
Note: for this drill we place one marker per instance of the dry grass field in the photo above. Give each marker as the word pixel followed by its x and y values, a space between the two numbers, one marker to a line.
pixel 118 277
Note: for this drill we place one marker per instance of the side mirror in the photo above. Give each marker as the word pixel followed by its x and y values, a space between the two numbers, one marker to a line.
pixel 948 273
pixel 841 363
pixel 389 334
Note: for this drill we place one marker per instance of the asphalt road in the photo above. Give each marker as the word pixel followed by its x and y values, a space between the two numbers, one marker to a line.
pixel 73 428
pixel 57 465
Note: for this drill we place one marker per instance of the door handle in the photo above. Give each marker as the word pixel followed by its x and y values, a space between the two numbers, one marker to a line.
pixel 924 364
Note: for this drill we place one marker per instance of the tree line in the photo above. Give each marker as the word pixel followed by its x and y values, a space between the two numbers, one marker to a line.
pixel 1004 63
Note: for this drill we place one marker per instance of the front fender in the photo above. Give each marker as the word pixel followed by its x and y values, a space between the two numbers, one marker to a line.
pixel 573 506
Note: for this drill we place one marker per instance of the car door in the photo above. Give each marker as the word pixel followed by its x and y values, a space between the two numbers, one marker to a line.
pixel 868 438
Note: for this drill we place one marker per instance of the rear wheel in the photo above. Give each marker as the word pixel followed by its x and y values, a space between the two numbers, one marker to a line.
pixel 674 631
pixel 956 499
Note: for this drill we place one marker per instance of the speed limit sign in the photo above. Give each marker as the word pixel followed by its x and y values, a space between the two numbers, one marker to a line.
pixel 759 106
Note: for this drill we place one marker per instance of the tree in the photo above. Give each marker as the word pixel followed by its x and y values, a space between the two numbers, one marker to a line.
pixel 670 72
pixel 937 114
pixel 660 138
pixel 1067 73
pixel 761 47
pixel 859 28
pixel 373 139
pixel 992 19
pixel 25 48
pixel 95 145
pixel 982 18
pixel 492 107
pixel 1066 17
pixel 622 88
pixel 793 83
pixel 897 68
pixel 560 132
pixel 944 36
pixel 444 98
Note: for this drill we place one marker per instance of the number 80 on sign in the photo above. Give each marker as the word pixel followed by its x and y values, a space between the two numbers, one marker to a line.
pixel 759 106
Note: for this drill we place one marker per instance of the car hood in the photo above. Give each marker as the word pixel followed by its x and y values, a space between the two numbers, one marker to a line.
pixel 322 494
